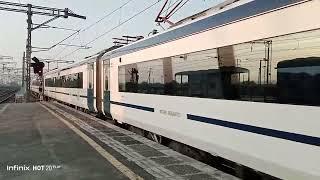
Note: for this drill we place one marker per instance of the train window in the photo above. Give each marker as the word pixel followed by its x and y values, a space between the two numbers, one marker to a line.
pixel 73 80
pixel 54 81
pixel 283 69
pixel 90 76
pixel 49 82
pixel 63 81
pixel 169 76
pixel 67 81
pixel 178 79
pixel 80 80
pixel 58 82
pixel 106 65
pixel 296 64
pixel 184 79
pixel 148 77
pixel 122 79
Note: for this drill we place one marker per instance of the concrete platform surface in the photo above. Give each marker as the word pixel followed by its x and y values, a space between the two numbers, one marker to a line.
pixel 31 136
pixel 74 145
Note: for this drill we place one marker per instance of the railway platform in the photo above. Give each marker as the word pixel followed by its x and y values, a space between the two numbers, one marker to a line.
pixel 48 140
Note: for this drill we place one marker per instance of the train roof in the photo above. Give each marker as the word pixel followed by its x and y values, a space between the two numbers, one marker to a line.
pixel 86 60
pixel 223 6
pixel 79 63
pixel 241 10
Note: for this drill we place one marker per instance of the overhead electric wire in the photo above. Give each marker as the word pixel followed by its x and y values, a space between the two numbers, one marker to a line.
pixel 64 39
pixel 63 49
pixel 178 8
pixel 107 15
pixel 129 19
pixel 55 27
pixel 169 11
pixel 112 29
pixel 93 24
pixel 168 8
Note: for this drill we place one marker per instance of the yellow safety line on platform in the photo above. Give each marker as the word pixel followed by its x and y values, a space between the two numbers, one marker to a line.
pixel 121 167
pixel 4 108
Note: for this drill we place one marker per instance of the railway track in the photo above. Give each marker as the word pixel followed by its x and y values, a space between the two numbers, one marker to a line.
pixel 7 94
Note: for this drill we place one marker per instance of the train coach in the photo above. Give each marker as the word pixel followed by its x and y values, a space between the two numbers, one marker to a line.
pixel 241 83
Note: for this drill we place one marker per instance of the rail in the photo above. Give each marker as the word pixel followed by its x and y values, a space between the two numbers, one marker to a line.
pixel 6 94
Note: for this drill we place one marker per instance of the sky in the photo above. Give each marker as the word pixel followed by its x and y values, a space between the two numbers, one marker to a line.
pixel 13 26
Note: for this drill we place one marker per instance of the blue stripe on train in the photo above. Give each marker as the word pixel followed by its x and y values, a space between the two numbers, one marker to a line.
pixel 305 139
pixel 133 106
pixel 244 11
pixel 311 140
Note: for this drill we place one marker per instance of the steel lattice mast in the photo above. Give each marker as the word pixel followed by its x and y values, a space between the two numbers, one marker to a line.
pixel 31 10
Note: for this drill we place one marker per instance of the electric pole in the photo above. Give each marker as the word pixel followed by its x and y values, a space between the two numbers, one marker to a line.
pixel 23 68
pixel 29 51
pixel 31 10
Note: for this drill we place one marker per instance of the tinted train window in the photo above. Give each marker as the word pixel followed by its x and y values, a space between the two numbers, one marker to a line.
pixel 49 82
pixel 106 72
pixel 90 76
pixel 58 82
pixel 277 70
pixel 67 81
pixel 299 81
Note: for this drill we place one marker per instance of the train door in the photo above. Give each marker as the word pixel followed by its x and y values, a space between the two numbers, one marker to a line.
pixel 106 76
pixel 99 85
pixel 90 90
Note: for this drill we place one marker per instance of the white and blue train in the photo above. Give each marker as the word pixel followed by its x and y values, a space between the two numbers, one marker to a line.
pixel 242 83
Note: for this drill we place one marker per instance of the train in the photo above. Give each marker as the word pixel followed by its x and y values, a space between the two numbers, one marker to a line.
pixel 241 83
